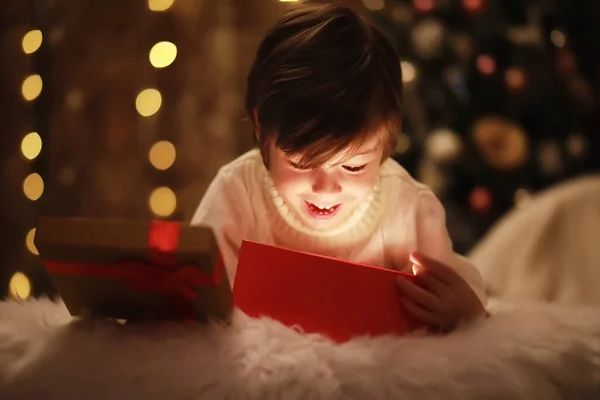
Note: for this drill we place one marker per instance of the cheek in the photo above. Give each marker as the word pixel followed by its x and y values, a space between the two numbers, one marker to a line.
pixel 287 182
pixel 362 186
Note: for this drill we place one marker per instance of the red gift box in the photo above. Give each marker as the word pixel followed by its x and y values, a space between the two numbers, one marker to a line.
pixel 336 298
pixel 135 269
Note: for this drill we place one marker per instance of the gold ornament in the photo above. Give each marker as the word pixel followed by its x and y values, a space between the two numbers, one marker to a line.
pixel 502 143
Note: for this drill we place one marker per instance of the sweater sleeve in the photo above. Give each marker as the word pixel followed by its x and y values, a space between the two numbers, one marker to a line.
pixel 434 241
pixel 226 209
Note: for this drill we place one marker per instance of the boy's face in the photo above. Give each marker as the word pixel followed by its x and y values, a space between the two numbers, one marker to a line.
pixel 326 196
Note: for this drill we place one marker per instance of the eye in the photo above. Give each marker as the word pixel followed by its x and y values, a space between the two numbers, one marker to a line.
pixel 358 168
pixel 297 166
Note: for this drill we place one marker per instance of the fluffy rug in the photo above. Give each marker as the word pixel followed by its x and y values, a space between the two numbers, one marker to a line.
pixel 535 352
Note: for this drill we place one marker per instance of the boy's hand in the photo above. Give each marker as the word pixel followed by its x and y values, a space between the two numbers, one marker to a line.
pixel 440 297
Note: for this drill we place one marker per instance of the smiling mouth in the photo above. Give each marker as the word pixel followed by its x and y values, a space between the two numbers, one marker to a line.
pixel 321 212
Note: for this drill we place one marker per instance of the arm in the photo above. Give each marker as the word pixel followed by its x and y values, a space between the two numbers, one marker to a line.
pixel 226 209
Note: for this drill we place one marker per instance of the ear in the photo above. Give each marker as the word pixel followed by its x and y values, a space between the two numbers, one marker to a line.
pixel 256 124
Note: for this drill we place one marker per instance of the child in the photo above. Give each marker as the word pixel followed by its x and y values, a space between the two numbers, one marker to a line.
pixel 325 96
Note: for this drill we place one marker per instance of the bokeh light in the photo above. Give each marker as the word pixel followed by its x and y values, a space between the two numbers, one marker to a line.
pixel 402 143
pixel 19 286
pixel 162 54
pixel 148 102
pixel 558 38
pixel 409 72
pixel 32 87
pixel 30 242
pixel 473 6
pixel 160 5
pixel 31 145
pixel 33 186
pixel 162 155
pixel 424 5
pixel 374 5
pixel 576 145
pixel 515 79
pixel 163 201
pixel 443 145
pixel 480 200
pixel 486 64
pixel 32 41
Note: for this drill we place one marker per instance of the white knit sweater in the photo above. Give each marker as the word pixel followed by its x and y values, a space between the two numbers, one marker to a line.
pixel 399 217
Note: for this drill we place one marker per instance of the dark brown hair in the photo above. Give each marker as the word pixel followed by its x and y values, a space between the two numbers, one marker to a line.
pixel 324 79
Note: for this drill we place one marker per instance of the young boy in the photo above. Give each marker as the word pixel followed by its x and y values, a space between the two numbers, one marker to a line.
pixel 325 96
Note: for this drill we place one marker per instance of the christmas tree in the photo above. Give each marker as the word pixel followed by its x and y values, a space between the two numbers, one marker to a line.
pixel 499 100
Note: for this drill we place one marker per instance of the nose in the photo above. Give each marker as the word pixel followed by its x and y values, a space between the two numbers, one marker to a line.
pixel 326 182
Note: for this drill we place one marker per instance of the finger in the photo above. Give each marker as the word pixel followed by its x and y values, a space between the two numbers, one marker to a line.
pixel 417 311
pixel 433 284
pixel 418 295
pixel 444 272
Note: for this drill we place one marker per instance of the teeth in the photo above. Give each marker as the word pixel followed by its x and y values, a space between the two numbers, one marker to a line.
pixel 325 208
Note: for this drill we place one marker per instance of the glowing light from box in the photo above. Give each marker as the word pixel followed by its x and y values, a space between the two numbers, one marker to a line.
pixel 160 5
pixel 288 1
pixel 19 286
pixel 148 102
pixel 163 201
pixel 30 244
pixel 163 54
pixel 32 87
pixel 374 5
pixel 32 41
pixel 31 145
pixel 162 155
pixel 33 186
pixel 409 72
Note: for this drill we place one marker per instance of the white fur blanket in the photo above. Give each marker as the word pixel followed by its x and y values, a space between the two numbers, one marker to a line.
pixel 536 352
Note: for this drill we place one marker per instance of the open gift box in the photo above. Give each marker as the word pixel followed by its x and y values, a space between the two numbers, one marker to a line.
pixel 135 269
pixel 336 298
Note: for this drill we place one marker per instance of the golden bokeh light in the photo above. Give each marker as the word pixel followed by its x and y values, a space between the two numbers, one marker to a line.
pixel 163 54
pixel 31 146
pixel 32 41
pixel 148 102
pixel 558 38
pixel 160 5
pixel 402 143
pixel 374 5
pixel 162 155
pixel 409 72
pixel 33 186
pixel 163 201
pixel 19 286
pixel 32 87
pixel 30 242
